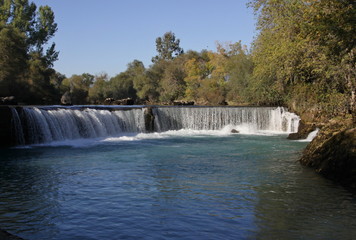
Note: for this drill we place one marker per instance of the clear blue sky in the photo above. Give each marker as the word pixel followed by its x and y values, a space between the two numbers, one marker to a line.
pixel 96 36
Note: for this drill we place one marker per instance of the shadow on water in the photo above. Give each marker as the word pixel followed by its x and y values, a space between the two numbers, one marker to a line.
pixel 303 205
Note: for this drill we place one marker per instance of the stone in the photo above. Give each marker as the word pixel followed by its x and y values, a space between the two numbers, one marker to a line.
pixel 182 103
pixel 11 100
pixel 66 99
pixel 234 131
pixel 125 101
pixel 109 101
pixel 333 154
pixel 303 131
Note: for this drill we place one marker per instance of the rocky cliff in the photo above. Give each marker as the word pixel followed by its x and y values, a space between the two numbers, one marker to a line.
pixel 333 152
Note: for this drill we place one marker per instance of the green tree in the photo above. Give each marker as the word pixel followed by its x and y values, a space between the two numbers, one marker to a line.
pixel 13 60
pixel 145 81
pixel 151 89
pixel 172 82
pixel 121 86
pixel 303 46
pixel 239 69
pixel 41 90
pixel 213 87
pixel 197 70
pixel 167 47
pixel 37 24
pixel 31 29
pixel 57 79
pixel 98 92
pixel 78 86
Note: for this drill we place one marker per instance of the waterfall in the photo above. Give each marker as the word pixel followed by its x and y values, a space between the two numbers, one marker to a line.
pixel 216 118
pixel 47 125
pixel 17 127
pixel 311 136
pixel 35 125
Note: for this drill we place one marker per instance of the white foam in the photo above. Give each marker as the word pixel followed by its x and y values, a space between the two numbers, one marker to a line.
pixel 310 136
pixel 131 137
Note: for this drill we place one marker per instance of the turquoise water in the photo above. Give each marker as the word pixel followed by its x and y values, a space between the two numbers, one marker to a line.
pixel 175 185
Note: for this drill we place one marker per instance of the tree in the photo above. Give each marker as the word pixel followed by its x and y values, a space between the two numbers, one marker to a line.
pixel 41 90
pixel 38 25
pixel 57 79
pixel 305 46
pixel 31 29
pixel 78 87
pixel 13 58
pixel 213 90
pixel 238 69
pixel 152 82
pixel 167 47
pixel 146 81
pixel 98 91
pixel 121 86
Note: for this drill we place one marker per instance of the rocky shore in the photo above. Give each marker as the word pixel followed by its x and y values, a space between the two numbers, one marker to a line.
pixel 332 153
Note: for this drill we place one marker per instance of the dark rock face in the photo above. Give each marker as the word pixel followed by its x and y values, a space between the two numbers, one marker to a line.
pixel 333 154
pixel 234 131
pixel 149 120
pixel 303 131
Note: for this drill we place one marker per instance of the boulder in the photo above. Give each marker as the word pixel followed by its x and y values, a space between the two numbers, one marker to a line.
pixel 11 100
pixel 303 131
pixel 109 101
pixel 234 131
pixel 125 101
pixel 333 154
pixel 66 99
pixel 182 103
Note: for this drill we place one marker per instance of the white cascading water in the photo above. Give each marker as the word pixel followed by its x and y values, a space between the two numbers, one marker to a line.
pixel 42 125
pixel 250 119
pixel 17 127
pixel 45 125
pixel 311 136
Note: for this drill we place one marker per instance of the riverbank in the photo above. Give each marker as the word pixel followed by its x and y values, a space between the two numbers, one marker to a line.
pixel 332 153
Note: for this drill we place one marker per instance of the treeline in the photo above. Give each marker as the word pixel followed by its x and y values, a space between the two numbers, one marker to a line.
pixel 204 77
pixel 25 65
pixel 303 57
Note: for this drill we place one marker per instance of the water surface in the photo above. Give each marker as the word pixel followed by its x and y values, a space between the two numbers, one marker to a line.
pixel 174 185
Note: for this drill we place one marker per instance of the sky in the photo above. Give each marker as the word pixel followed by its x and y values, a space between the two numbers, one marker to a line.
pixel 103 36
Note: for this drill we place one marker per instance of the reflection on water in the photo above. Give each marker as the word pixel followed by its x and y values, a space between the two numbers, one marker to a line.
pixel 196 187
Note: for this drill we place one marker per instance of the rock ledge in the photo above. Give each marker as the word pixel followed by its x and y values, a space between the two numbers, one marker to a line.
pixel 333 154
